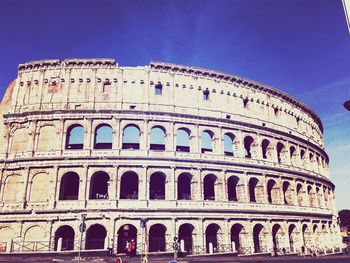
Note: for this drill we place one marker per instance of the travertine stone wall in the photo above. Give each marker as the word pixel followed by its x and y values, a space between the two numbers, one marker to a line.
pixel 279 195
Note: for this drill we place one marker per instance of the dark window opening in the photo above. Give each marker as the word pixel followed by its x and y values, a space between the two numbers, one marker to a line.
pixel 66 233
pixel 206 94
pixel 95 237
pixel 184 187
pixel 211 236
pixel 69 188
pixel 99 186
pixel 209 187
pixel 264 145
pixel 129 186
pixel 232 188
pixel 157 238
pixel 158 89
pixel 157 186
pixel 248 141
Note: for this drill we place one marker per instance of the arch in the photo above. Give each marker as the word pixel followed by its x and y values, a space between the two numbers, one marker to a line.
pixel 186 234
pixel 183 140
pixel 272 192
pixel 237 235
pixel 95 237
pixel 157 138
pixel 6 234
pixel 302 154
pixel 306 233
pixel 280 148
pixel 67 234
pixel 248 142
pixel 75 137
pixel 300 194
pixel 265 148
pixel 48 139
pixel 39 190
pixel 20 139
pixel 209 187
pixel 258 238
pixel 13 189
pixel 292 236
pixel 184 186
pixel 129 185
pixel 34 233
pixel 157 186
pixel 131 137
pixel 126 233
pixel 277 237
pixel 228 144
pixel 157 238
pixel 69 187
pixel 311 196
pixel 316 235
pixel 99 185
pixel 287 193
pixel 253 185
pixel 207 141
pixel 211 236
pixel 292 152
pixel 232 183
pixel 103 137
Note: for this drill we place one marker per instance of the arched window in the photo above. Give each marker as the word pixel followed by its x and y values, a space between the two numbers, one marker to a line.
pixel 292 152
pixel 157 238
pixel 66 234
pixel 185 236
pixel 302 154
pixel 129 186
pixel 287 193
pixel 279 148
pixel 311 195
pixel 272 194
pixel 299 194
pixel 184 186
pixel 99 185
pixel 248 141
pixel 183 140
pixel 236 235
pixel 253 182
pixel 157 139
pixel 209 187
pixel 95 237
pixel 232 188
pixel 103 137
pixel 211 236
pixel 264 147
pixel 207 137
pixel 293 235
pixel 228 144
pixel 277 238
pixel 258 237
pixel 131 137
pixel 75 137
pixel 126 233
pixel 69 188
pixel 157 186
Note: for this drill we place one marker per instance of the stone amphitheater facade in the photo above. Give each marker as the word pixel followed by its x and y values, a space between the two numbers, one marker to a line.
pixel 220 161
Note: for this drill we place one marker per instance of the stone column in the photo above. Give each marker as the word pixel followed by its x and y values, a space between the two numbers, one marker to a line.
pixel 84 182
pixel 174 180
pixel 116 134
pixel 26 186
pixel 224 195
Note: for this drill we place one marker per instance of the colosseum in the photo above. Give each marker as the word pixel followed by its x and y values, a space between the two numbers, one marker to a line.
pixel 94 154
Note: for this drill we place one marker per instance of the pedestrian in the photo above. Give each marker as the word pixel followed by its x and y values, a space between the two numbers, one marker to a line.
pixel 127 249
pixel 132 248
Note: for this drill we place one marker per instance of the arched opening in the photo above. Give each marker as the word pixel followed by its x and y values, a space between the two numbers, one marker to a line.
pixel 258 238
pixel 126 233
pixel 279 148
pixel 129 186
pixel 75 137
pixel 236 235
pixel 272 192
pixel 232 183
pixel 66 233
pixel 131 137
pixel 264 147
pixel 69 188
pixel 316 234
pixel 228 144
pixel 306 236
pixel 207 137
pixel 248 142
pixel 38 193
pixel 13 189
pixel 299 194
pixel 99 185
pixel 253 182
pixel 292 152
pixel 292 237
pixel 277 237
pixel 103 137
pixel 311 195
pixel 211 236
pixel 184 186
pixel 183 140
pixel 157 186
pixel 157 139
pixel 185 234
pixel 287 193
pixel 302 155
pixel 95 237
pixel 209 187
pixel 157 238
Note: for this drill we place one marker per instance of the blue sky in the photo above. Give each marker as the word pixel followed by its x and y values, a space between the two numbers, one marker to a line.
pixel 301 47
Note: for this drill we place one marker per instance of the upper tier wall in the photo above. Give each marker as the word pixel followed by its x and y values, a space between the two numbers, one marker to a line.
pixel 94 84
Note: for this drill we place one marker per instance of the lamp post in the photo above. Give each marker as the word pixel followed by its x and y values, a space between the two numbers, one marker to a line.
pixel 82 229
